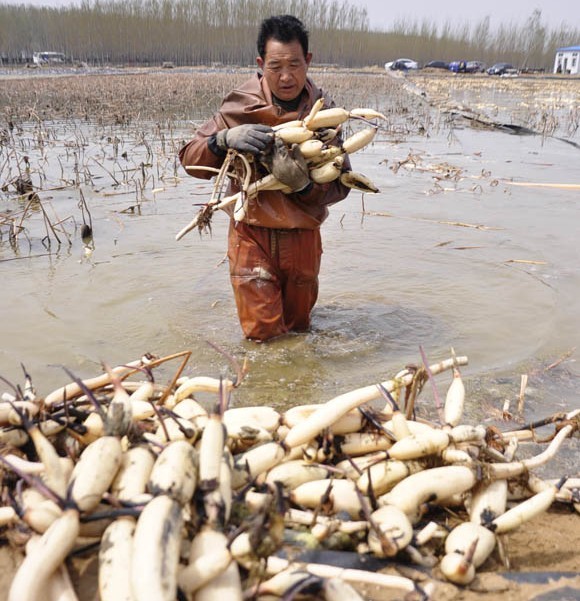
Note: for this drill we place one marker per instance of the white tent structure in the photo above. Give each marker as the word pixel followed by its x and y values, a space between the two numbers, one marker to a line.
pixel 567 60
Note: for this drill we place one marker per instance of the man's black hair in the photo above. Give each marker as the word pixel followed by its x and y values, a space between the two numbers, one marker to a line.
pixel 283 28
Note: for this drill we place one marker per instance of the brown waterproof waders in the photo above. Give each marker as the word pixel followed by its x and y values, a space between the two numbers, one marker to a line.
pixel 274 274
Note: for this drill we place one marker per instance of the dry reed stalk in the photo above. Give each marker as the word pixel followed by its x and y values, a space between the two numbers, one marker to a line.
pixel 523 385
pixel 544 185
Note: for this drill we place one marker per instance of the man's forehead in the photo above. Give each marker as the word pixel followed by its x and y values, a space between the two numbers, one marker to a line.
pixel 276 50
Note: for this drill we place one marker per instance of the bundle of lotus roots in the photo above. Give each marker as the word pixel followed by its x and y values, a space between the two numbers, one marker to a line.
pixel 316 136
pixel 181 495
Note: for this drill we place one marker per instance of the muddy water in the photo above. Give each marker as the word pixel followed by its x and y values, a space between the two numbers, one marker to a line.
pixel 472 262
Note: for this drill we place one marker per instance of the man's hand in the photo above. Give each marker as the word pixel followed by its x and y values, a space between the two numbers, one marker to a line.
pixel 289 168
pixel 326 134
pixel 251 138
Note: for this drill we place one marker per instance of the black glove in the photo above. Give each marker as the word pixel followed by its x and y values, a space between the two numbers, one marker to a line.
pixel 251 138
pixel 288 167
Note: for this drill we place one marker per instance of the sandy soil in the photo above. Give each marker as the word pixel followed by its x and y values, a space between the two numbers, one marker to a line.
pixel 543 560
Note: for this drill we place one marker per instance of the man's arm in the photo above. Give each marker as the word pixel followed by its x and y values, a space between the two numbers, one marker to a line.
pixel 322 194
pixel 198 152
pixel 250 138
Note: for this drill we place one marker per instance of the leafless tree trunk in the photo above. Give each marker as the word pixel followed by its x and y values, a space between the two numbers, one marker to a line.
pixel 198 32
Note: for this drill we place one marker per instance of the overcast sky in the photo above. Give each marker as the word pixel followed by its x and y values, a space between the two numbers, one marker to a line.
pixel 383 13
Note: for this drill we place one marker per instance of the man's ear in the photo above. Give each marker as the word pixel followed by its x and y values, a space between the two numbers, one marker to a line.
pixel 260 62
pixel 308 58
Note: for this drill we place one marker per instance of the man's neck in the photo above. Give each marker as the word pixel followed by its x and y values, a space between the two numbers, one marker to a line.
pixel 288 105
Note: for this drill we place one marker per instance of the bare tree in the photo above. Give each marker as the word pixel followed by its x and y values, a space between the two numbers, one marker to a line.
pixel 198 32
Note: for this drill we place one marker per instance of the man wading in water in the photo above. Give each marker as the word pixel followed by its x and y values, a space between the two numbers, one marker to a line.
pixel 274 252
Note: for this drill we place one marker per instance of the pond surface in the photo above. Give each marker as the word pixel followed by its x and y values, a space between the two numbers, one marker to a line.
pixel 451 253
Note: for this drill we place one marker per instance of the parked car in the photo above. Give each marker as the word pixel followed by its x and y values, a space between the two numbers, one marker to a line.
pixel 436 65
pixel 475 67
pixel 467 66
pixel 457 66
pixel 402 64
pixel 502 69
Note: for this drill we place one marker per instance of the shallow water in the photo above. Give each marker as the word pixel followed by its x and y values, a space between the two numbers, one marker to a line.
pixel 477 264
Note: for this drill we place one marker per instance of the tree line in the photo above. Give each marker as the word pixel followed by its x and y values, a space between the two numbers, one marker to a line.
pixel 209 32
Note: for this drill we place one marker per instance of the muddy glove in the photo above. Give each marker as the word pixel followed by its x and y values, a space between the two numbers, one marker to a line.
pixel 326 134
pixel 252 138
pixel 288 166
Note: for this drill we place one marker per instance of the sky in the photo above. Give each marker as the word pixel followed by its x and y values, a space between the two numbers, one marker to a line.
pixel 383 13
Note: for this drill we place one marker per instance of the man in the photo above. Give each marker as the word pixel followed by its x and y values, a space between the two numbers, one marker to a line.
pixel 274 252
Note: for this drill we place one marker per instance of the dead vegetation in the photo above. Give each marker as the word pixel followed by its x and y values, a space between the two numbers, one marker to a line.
pixel 119 134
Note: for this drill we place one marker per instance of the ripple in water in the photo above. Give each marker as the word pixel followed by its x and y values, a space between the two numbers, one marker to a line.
pixel 314 367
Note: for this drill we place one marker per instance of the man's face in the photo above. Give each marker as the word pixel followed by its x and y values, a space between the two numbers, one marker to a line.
pixel 284 66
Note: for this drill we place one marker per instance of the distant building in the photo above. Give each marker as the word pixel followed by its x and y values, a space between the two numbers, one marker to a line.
pixel 45 58
pixel 567 60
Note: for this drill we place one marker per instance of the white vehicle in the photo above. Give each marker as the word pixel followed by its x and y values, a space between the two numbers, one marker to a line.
pixel 45 58
pixel 401 64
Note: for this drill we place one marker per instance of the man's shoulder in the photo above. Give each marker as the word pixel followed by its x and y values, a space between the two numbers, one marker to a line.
pixel 240 103
pixel 315 92
pixel 251 86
